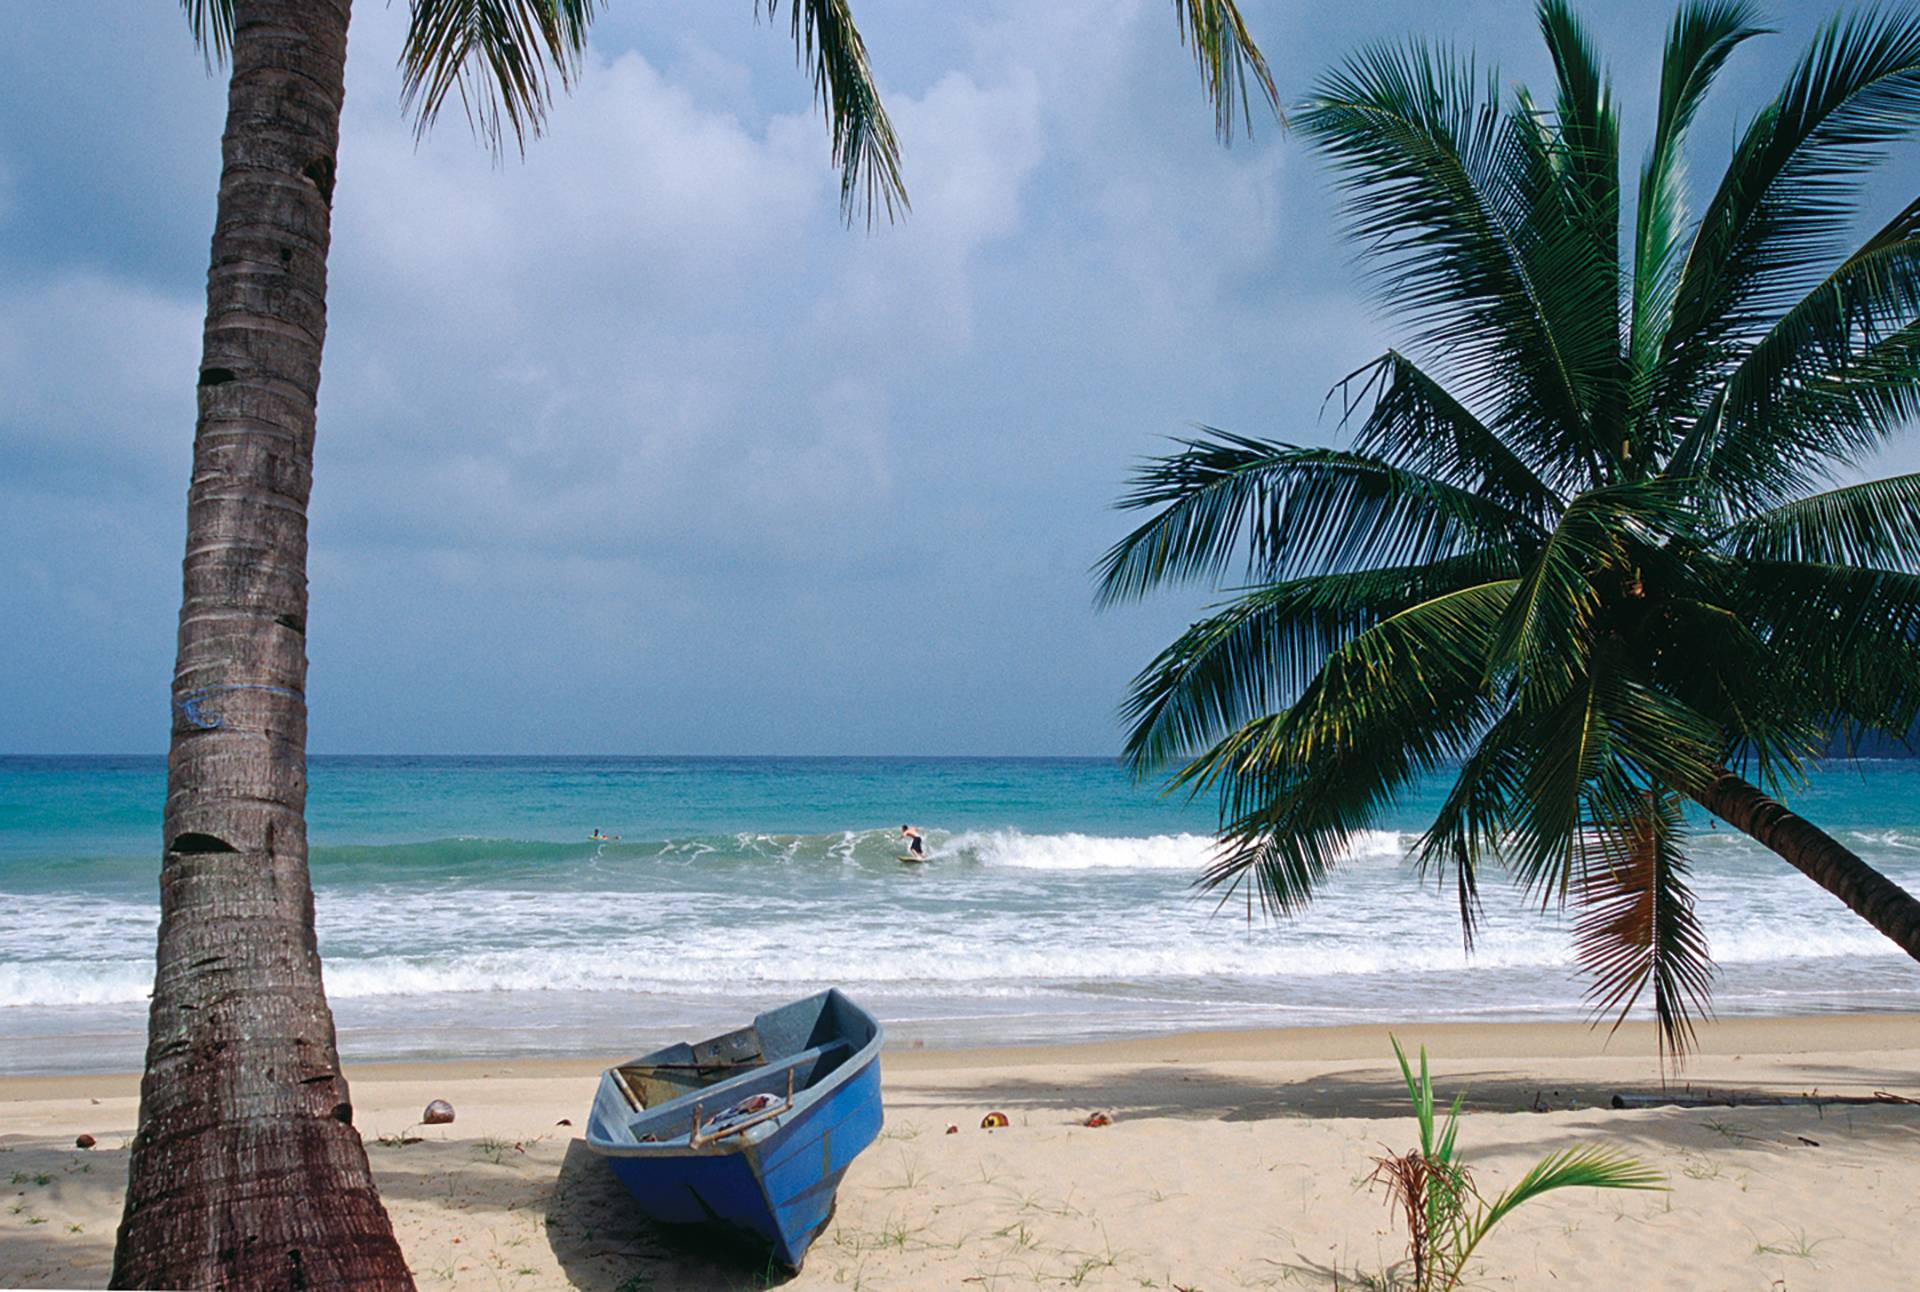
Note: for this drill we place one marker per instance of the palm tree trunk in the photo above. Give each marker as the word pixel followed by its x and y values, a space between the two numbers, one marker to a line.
pixel 1819 856
pixel 246 1171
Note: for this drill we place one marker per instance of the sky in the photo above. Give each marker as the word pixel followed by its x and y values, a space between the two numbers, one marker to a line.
pixel 631 446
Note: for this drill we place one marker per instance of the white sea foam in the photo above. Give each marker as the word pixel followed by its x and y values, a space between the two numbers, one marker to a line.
pixel 994 954
pixel 1065 852
pixel 1001 913
pixel 1886 839
pixel 75 982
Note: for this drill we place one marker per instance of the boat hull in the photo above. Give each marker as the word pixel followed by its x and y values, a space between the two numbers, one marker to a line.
pixel 781 1192
pixel 751 1131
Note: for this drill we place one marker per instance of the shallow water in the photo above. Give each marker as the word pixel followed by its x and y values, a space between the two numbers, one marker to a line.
pixel 463 909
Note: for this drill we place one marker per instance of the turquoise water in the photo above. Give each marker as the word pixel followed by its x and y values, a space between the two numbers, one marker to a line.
pixel 463 908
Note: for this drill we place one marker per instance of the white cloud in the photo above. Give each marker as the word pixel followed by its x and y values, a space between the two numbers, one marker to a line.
pixel 968 152
pixel 651 338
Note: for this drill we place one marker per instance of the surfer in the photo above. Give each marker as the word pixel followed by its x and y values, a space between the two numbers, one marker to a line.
pixel 597 837
pixel 916 842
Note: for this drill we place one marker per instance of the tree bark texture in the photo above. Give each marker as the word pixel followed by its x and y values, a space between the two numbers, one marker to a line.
pixel 1819 856
pixel 246 1171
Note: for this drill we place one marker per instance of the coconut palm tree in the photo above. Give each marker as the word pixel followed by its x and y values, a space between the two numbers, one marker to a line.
pixel 246 1170
pixel 1591 552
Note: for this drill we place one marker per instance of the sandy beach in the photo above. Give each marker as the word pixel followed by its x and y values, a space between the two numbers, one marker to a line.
pixel 1235 1160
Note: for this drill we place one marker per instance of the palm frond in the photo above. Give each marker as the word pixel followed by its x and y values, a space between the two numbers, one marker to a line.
pixel 1578 233
pixel 1585 1167
pixel 1876 523
pixel 1598 744
pixel 1638 927
pixel 1828 381
pixel 1666 742
pixel 1397 701
pixel 1287 511
pixel 1807 428
pixel 1437 1139
pixel 1415 423
pixel 1703 36
pixel 1589 129
pixel 211 22
pixel 1788 194
pixel 1721 666
pixel 1456 206
pixel 1260 652
pixel 497 56
pixel 1227 56
pixel 1476 814
pixel 864 147
pixel 1574 745
pixel 1846 639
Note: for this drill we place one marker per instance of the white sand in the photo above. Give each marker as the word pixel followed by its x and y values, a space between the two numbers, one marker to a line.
pixel 1236 1160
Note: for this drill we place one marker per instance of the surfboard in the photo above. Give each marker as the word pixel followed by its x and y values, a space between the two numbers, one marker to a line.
pixel 913 861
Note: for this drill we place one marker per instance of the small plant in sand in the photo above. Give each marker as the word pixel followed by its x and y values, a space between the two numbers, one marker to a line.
pixel 1447 1216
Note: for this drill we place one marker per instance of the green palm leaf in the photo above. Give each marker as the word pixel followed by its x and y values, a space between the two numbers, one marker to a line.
pixel 1702 38
pixel 1262 650
pixel 1575 242
pixel 1605 536
pixel 1830 379
pixel 1788 194
pixel 1286 511
pixel 1397 701
pixel 1414 423
pixel 1444 191
pixel 211 22
pixel 1478 813
pixel 1586 1167
pixel 1847 637
pixel 1876 523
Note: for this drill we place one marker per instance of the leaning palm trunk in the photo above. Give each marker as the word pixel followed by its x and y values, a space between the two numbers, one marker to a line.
pixel 1817 855
pixel 246 1170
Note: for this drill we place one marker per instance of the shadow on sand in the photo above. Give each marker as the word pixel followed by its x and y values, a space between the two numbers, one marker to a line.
pixel 604 1244
pixel 1380 1096
pixel 1200 1095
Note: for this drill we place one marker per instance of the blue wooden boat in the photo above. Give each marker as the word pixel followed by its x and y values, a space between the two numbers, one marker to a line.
pixel 752 1129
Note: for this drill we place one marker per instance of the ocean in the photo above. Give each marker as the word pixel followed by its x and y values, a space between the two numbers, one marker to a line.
pixel 464 911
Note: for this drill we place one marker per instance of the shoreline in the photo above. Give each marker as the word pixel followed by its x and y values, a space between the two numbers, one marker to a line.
pixel 1633 1041
pixel 1234 1159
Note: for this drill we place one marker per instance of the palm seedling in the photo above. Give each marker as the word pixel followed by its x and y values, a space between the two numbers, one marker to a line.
pixel 1445 1215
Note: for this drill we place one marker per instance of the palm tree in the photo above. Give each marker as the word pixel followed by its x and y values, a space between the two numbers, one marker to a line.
pixel 1574 556
pixel 246 1170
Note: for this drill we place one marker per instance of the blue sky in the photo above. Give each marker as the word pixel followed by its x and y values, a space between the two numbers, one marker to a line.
pixel 631 447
